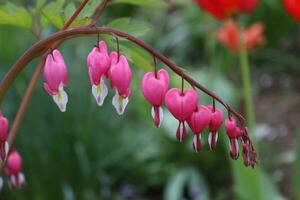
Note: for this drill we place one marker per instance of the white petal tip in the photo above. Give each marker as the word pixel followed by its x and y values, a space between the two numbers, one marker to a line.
pixel 119 103
pixel 100 92
pixel 157 114
pixel 61 99
pixel 1 183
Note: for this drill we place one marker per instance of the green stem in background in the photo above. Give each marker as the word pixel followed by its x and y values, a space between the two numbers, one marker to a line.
pixel 247 89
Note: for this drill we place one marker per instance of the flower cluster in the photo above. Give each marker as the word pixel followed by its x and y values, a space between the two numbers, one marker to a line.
pixel 235 134
pixel 183 105
pixel 293 8
pixel 13 159
pixel 13 171
pixel 101 66
pixel 221 9
pixel 231 36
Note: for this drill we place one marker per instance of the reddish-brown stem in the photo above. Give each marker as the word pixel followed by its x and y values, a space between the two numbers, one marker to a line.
pixel 24 103
pixel 214 105
pixel 75 15
pixel 38 49
pixel 99 12
pixel 155 66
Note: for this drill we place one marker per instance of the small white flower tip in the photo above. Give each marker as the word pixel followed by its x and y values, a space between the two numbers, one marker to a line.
pixel 119 103
pixel 160 116
pixel 61 99
pixel 21 179
pixel 100 92
pixel 1 183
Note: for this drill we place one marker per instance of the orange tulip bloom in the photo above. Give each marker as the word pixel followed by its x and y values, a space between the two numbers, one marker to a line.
pixel 231 36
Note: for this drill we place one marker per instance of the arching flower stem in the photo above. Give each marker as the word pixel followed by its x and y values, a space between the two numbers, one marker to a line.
pixel 38 49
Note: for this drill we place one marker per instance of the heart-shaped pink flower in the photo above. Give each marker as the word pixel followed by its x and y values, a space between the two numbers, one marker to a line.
pixel 181 104
pixel 154 89
pixel 198 121
pixel 214 125
pixel 4 147
pixel 55 72
pixel 233 133
pixel 98 63
pixel 230 127
pixel 16 178
pixel 55 75
pixel 120 77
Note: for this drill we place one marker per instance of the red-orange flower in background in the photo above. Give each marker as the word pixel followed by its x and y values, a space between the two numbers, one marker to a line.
pixel 231 36
pixel 221 9
pixel 293 8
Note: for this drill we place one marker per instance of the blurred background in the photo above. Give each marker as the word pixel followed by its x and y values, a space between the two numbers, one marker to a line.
pixel 90 152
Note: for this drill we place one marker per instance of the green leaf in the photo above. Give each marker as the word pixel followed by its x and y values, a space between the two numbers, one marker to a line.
pixel 13 15
pixel 139 57
pixel 131 27
pixel 81 22
pixel 40 3
pixel 186 177
pixel 134 54
pixel 89 9
pixel 253 183
pixel 145 3
pixel 53 12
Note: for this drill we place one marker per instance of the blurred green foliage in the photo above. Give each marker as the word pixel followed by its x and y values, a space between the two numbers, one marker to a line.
pixel 91 152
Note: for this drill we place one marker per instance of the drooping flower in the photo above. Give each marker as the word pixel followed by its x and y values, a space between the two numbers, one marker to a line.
pixel 16 178
pixel 249 153
pixel 98 63
pixel 233 133
pixel 120 79
pixel 154 89
pixel 214 125
pixel 198 121
pixel 55 75
pixel 221 9
pixel 181 104
pixel 293 8
pixel 4 147
pixel 231 36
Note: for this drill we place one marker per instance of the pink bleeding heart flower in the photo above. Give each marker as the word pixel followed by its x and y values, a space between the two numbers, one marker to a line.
pixel 16 178
pixel 154 89
pixel 4 147
pixel 55 75
pixel 198 121
pixel 233 133
pixel 120 77
pixel 214 125
pixel 181 104
pixel 98 63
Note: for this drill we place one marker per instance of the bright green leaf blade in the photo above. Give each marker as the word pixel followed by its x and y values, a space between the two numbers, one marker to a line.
pixel 187 177
pixel 175 186
pixel 53 11
pixel 145 3
pixel 131 27
pixel 13 15
pixel 89 9
pixel 81 22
